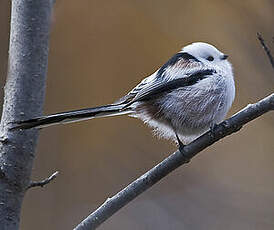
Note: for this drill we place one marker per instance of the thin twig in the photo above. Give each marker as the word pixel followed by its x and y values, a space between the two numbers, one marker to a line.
pixel 227 127
pixel 42 183
pixel 267 50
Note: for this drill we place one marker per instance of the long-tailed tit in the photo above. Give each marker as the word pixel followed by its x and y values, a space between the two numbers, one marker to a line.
pixel 184 98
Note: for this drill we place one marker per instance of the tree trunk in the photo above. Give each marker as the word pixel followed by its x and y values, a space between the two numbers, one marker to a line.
pixel 24 97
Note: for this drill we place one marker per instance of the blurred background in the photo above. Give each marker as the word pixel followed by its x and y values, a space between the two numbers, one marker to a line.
pixel 98 51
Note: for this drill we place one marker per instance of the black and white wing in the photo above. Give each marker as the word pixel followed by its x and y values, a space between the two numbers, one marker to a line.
pixel 180 71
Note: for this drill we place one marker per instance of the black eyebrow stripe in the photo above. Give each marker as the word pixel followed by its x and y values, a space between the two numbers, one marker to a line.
pixel 171 85
pixel 173 60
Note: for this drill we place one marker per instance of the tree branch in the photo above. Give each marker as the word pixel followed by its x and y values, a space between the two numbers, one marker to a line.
pixel 227 127
pixel 24 97
pixel 267 50
pixel 44 182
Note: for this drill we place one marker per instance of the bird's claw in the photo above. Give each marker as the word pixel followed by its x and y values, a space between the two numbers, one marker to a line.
pixel 213 127
pixel 181 149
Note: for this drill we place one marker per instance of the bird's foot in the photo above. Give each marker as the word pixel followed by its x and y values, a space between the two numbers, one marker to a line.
pixel 181 149
pixel 213 127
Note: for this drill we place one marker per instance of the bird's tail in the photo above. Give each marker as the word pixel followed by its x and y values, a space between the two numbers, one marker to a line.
pixel 72 116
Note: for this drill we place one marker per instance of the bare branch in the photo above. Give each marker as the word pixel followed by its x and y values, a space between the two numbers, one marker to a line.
pixel 267 50
pixel 43 182
pixel 227 127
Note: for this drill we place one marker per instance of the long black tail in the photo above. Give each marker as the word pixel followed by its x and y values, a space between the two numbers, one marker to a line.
pixel 71 116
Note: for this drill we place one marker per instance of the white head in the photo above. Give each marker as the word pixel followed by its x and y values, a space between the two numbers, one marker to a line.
pixel 208 55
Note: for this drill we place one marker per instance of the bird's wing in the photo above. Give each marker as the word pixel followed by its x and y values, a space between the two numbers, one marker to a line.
pixel 181 70
pixel 131 95
pixel 151 90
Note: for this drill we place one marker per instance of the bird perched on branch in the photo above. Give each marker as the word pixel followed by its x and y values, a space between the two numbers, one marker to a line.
pixel 183 99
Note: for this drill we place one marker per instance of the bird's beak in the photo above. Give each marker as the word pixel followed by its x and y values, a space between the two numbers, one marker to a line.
pixel 224 57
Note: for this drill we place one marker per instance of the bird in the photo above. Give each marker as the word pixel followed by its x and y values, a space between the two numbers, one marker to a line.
pixel 191 93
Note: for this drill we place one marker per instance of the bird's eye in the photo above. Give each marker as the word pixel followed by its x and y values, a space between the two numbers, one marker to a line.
pixel 210 58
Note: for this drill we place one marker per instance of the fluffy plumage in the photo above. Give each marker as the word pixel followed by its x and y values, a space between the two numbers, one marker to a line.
pixel 187 95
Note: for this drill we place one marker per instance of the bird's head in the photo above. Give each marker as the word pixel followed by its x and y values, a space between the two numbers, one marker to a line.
pixel 208 55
